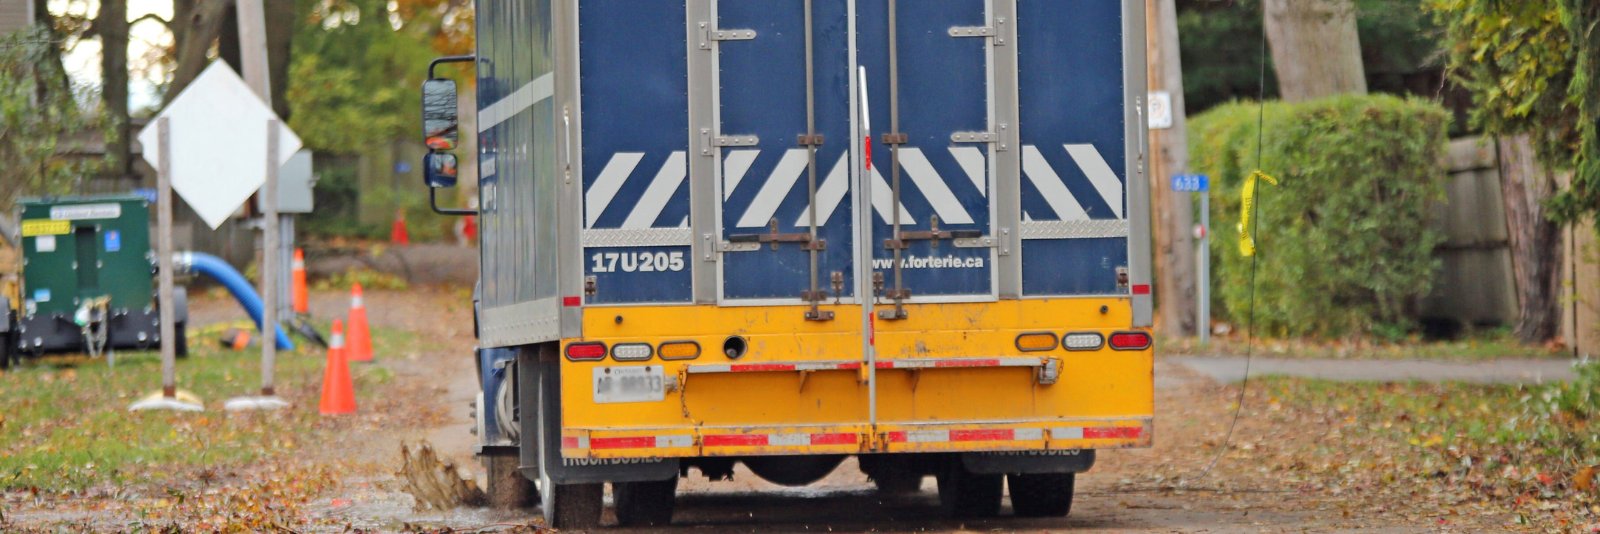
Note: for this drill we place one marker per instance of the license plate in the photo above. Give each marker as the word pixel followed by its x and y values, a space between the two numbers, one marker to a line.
pixel 629 384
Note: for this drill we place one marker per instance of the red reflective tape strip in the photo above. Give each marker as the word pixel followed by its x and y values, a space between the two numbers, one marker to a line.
pixel 896 437
pixel 848 366
pixel 636 442
pixel 1141 289
pixel 1112 432
pixel 572 302
pixel 968 362
pixel 758 367
pixel 1001 434
pixel 884 365
pixel 836 438
pixel 735 440
pixel 570 443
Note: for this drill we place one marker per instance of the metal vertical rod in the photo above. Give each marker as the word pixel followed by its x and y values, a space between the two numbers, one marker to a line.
pixel 894 154
pixel 1203 270
pixel 864 250
pixel 169 330
pixel 269 262
pixel 285 266
pixel 811 161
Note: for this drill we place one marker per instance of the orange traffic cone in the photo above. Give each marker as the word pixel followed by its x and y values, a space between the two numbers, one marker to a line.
pixel 338 391
pixel 397 233
pixel 360 335
pixel 302 299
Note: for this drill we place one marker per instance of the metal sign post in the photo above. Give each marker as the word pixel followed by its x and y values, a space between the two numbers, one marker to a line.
pixel 270 264
pixel 1201 185
pixel 167 398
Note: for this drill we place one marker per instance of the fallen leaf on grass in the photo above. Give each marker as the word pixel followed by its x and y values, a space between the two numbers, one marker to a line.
pixel 1584 480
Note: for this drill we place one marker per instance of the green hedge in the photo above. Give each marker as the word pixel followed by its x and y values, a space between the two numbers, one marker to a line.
pixel 1344 245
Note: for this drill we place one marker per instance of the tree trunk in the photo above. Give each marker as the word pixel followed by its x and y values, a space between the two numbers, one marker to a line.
pixel 1176 273
pixel 1535 240
pixel 195 26
pixel 1316 50
pixel 112 23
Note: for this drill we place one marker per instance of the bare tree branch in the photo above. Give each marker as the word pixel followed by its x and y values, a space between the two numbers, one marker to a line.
pixel 150 16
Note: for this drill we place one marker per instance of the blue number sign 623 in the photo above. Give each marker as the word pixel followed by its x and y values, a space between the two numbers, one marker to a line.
pixel 1191 183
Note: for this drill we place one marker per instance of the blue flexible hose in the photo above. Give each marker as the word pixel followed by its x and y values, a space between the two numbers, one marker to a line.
pixel 216 269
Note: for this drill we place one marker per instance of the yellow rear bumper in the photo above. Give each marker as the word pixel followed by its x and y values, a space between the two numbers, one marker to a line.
pixel 949 378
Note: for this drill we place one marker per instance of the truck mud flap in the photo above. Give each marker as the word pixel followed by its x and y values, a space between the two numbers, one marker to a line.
pixel 1030 462
pixel 532 369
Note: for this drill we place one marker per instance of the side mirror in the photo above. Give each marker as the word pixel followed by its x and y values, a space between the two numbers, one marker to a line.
pixel 439 117
pixel 439 169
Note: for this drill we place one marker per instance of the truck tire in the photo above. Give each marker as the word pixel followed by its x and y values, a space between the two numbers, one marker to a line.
pixel 965 495
pixel 180 339
pixel 508 489
pixel 572 506
pixel 8 351
pixel 645 504
pixel 1041 494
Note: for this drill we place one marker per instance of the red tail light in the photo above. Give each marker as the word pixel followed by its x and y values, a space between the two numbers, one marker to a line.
pixel 586 352
pixel 1130 341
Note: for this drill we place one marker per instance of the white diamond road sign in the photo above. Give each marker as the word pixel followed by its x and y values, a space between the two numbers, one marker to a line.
pixel 219 143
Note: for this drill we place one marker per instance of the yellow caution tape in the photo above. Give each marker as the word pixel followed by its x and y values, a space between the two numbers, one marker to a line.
pixel 1247 244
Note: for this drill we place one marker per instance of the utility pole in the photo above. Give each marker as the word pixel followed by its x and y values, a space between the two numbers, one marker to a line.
pixel 1169 156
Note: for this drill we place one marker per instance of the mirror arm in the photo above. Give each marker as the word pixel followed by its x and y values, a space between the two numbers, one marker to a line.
pixel 433 202
pixel 447 59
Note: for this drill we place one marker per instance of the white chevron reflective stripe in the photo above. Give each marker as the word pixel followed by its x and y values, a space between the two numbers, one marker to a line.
pixel 883 197
pixel 666 182
pixel 605 186
pixel 1050 186
pixel 772 193
pixel 523 98
pixel 933 188
pixel 972 163
pixel 734 168
pixel 830 194
pixel 1100 174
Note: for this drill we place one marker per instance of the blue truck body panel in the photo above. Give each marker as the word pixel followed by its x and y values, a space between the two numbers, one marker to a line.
pixel 1070 77
pixel 591 141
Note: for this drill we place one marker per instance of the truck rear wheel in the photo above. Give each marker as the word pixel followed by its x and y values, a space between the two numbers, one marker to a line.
pixel 970 495
pixel 508 488
pixel 1042 495
pixel 572 506
pixel 645 504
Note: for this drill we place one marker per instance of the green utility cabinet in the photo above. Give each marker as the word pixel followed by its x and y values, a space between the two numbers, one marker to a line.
pixel 88 279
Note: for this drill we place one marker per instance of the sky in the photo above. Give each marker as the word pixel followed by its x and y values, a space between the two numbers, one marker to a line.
pixel 83 60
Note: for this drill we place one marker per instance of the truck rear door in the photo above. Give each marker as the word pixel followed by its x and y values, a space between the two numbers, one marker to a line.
pixel 929 77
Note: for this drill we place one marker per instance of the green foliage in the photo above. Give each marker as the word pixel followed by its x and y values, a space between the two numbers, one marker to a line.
pixel 333 112
pixel 356 75
pixel 1344 242
pixel 40 120
pixel 1533 70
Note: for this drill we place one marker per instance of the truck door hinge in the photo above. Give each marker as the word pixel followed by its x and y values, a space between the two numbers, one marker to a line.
pixel 998 137
pixel 709 35
pixel 996 32
pixel 709 142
